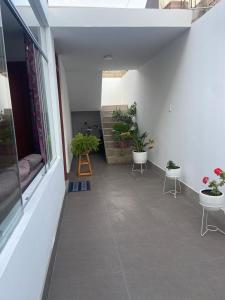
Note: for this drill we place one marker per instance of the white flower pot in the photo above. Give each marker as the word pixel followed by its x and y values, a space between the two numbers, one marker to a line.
pixel 212 203
pixel 140 157
pixel 173 173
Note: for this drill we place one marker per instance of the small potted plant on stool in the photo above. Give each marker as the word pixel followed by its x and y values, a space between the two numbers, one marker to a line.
pixel 212 198
pixel 140 154
pixel 81 146
pixel 173 171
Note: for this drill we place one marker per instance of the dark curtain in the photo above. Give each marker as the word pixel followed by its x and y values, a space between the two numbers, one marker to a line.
pixel 35 98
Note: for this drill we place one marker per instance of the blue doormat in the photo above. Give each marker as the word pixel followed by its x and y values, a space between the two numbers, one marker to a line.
pixel 79 186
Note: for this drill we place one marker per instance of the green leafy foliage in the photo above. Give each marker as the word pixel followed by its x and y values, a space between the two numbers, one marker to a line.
pixel 126 116
pixel 121 127
pixel 126 129
pixel 121 116
pixel 82 144
pixel 6 133
pixel 171 165
pixel 214 185
pixel 140 143
pixel 121 132
pixel 126 125
pixel 132 110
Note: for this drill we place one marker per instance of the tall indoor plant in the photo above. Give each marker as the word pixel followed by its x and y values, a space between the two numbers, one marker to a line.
pixel 212 198
pixel 140 142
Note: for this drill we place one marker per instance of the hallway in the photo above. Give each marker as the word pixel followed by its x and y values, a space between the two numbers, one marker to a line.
pixel 124 240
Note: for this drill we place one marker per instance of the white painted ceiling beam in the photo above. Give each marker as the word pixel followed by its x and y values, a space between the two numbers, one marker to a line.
pixel 115 17
pixel 100 3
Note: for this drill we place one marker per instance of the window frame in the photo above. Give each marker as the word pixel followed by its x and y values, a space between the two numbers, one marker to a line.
pixel 32 187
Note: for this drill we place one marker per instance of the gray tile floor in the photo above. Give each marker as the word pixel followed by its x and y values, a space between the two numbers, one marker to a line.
pixel 124 240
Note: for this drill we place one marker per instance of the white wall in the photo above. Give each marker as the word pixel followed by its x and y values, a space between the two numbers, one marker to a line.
pixel 189 74
pixel 66 111
pixel 84 90
pixel 112 91
pixel 25 258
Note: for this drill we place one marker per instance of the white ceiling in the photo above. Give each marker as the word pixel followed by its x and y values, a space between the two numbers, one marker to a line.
pixel 84 48
pixel 132 36
pixel 82 51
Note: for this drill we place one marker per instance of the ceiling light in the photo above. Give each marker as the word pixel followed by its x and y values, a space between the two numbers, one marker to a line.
pixel 108 57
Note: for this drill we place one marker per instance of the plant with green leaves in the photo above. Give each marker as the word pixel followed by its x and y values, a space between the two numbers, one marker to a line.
pixel 171 165
pixel 121 116
pixel 132 110
pixel 140 142
pixel 6 133
pixel 122 134
pixel 121 127
pixel 83 144
pixel 126 116
pixel 214 185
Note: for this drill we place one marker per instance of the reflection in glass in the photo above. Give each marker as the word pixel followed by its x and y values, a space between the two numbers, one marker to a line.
pixel 26 148
pixel 10 194
pixel 49 116
pixel 42 93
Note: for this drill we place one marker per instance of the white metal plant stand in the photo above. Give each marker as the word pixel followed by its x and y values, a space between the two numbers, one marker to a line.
pixel 141 169
pixel 175 191
pixel 205 227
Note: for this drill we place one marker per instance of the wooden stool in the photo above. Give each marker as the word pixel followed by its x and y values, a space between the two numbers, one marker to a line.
pixel 84 160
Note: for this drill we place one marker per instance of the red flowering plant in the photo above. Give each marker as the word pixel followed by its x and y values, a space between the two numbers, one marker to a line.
pixel 215 184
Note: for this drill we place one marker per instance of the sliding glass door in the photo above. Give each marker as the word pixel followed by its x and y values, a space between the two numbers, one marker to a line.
pixel 10 191
pixel 26 148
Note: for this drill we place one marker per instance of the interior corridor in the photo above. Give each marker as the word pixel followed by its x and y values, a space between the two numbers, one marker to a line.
pixel 124 240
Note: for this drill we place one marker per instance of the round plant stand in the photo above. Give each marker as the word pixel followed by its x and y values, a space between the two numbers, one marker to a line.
pixel 205 226
pixel 140 169
pixel 174 191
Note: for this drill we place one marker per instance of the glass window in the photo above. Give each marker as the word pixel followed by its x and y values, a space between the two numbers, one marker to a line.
pixel 50 128
pixel 10 192
pixel 26 148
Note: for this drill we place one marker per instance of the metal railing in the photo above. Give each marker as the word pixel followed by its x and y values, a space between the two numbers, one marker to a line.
pixel 199 7
pixel 187 4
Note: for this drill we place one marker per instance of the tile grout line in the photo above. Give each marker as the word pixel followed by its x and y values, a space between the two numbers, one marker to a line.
pixel 109 223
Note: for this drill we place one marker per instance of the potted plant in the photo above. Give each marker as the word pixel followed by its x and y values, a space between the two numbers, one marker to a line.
pixel 84 144
pixel 172 170
pixel 81 146
pixel 128 117
pixel 212 198
pixel 121 134
pixel 140 155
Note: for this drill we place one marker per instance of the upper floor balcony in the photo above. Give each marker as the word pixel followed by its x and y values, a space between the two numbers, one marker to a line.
pixel 198 7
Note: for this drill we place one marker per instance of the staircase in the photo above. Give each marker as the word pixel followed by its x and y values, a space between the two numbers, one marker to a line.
pixel 114 155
